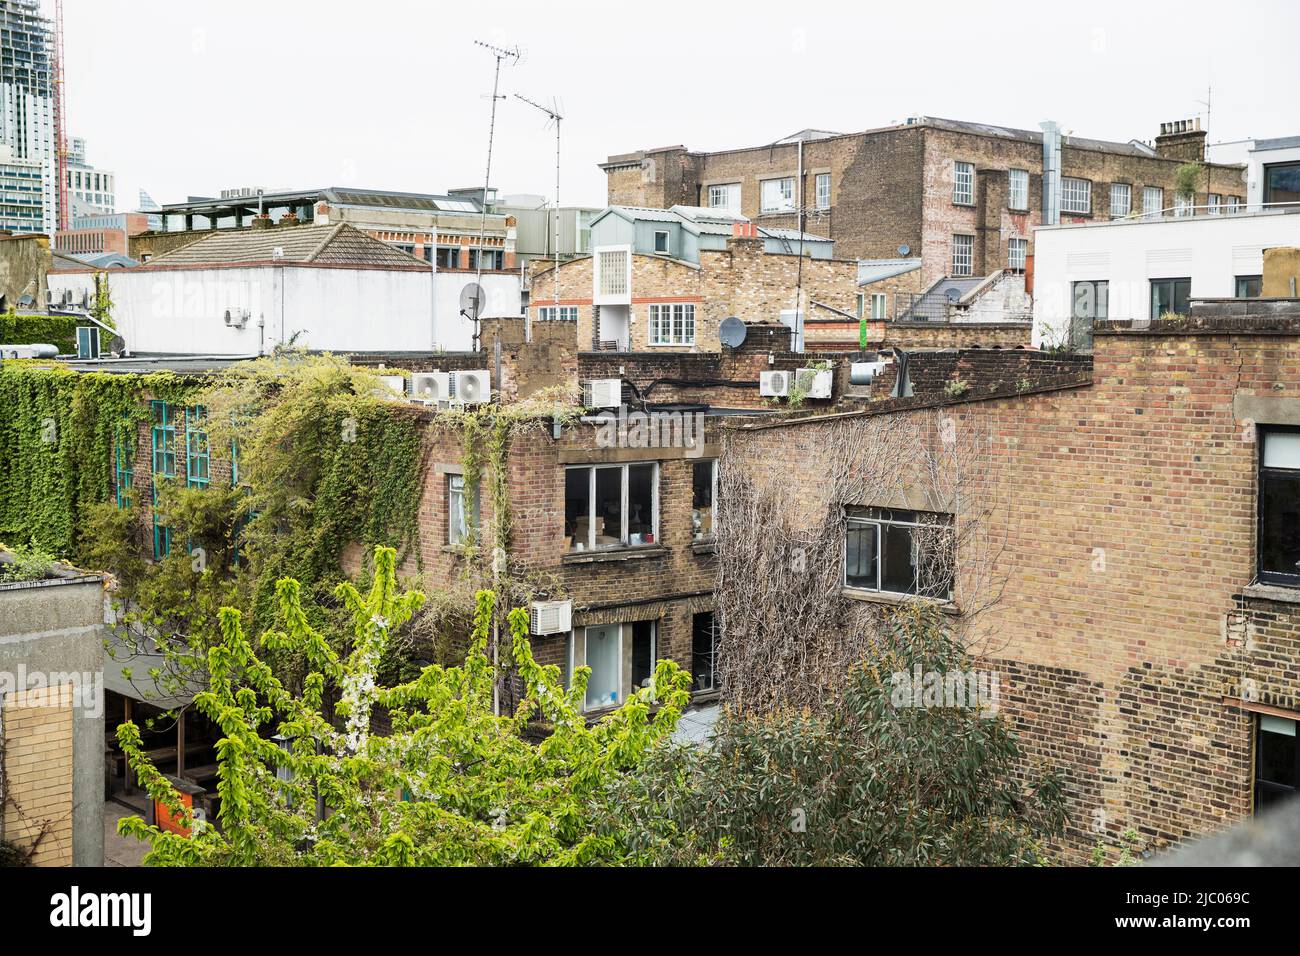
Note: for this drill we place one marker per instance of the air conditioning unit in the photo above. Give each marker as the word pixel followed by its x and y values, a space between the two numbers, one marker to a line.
pixel 432 387
pixel 236 318
pixel 474 387
pixel 815 382
pixel 602 393
pixel 773 384
pixel 392 386
pixel 550 617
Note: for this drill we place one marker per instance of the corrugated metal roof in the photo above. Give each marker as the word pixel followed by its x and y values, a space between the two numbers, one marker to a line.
pixel 339 244
pixel 873 270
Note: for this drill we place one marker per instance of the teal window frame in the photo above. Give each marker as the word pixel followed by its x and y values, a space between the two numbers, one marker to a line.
pixel 162 534
pixel 198 457
pixel 163 439
pixel 124 470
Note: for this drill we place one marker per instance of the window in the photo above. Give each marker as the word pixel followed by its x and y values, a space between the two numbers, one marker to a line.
pixel 1018 188
pixel 462 510
pixel 1282 182
pixel 704 485
pixel 162 534
pixel 878 300
pixel 1279 507
pixel 963 255
pixel 1076 195
pixel 1249 287
pixel 777 195
pixel 124 456
pixel 1121 199
pixel 1234 204
pixel 612 267
pixel 704 651
pixel 198 461
pixel 823 182
pixel 492 258
pixel 963 183
pixel 1170 295
pixel 561 313
pixel 1277 760
pixel 603 650
pixel 1017 250
pixel 661 241
pixel 1153 200
pixel 725 196
pixel 448 257
pixel 1215 203
pixel 163 436
pixel 1183 206
pixel 672 324
pixel 860 305
pixel 1090 301
pixel 610 506
pixel 900 552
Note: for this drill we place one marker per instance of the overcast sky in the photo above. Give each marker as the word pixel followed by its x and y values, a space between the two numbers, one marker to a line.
pixel 187 97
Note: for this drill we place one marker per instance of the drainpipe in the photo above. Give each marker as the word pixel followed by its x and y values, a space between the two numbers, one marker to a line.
pixel 1051 173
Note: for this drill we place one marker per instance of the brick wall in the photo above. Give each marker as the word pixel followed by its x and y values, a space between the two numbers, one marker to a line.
pixel 954 335
pixel 1125 526
pixel 36 746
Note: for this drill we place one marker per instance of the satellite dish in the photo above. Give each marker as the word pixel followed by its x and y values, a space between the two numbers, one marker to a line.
pixel 732 332
pixel 471 301
pixel 952 293
pixel 904 250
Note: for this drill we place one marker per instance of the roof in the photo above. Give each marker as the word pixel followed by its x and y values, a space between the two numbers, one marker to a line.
pixel 793 235
pixel 873 270
pixel 1281 142
pixel 336 195
pixel 338 245
pixel 807 134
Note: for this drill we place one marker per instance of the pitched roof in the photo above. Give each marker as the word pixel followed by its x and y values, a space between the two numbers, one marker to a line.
pixel 339 244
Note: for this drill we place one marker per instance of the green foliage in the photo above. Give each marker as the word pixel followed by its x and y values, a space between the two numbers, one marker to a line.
pixel 798 390
pixel 28 564
pixel 1186 177
pixel 1130 852
pixel 57 429
pixel 863 782
pixel 453 783
pixel 59 330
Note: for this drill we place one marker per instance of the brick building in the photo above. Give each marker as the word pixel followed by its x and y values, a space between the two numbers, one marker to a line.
pixel 1135 529
pixel 962 197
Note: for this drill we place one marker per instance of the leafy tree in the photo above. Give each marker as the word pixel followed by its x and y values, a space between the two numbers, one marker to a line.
pixel 865 781
pixel 452 783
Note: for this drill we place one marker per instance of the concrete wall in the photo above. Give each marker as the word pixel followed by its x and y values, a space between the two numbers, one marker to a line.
pixel 53 753
pixel 1211 250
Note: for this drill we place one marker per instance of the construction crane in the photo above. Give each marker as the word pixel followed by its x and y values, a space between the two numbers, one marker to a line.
pixel 60 120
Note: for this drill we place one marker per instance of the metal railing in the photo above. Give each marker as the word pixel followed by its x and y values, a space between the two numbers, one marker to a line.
pixel 1222 210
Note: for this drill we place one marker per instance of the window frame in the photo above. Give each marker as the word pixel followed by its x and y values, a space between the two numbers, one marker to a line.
pixel 162 436
pixel 1126 208
pixel 1173 294
pixel 711 654
pixel 124 466
pixel 1238 281
pixel 970 255
pixel 625 537
pixel 1023 244
pixel 1156 192
pixel 558 313
pixel 696 536
pixel 1267 176
pixel 667 249
pixel 1071 189
pixel 883 299
pixel 762 197
pixel 1279 578
pixel 198 451
pixel 625 631
pixel 1275 787
pixel 822 197
pixel 963 183
pixel 880 519
pixel 1018 185
pixel 727 191
pixel 676 332
pixel 469 515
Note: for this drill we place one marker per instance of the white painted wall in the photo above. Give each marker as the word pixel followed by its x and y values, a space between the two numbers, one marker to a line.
pixel 1212 250
pixel 78 283
pixel 1246 151
pixel 182 311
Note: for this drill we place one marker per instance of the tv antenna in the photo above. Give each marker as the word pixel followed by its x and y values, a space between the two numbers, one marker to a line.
pixel 512 54
pixel 553 112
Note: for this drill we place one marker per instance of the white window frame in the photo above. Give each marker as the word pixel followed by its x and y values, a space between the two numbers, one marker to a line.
pixel 677 333
pixel 624 538
pixel 730 192
pixel 1076 195
pixel 1214 203
pixel 967 242
pixel 822 188
pixel 786 186
pixel 963 183
pixel 861 307
pixel 1014 243
pixel 625 635
pixel 1018 189
pixel 456 535
pixel 1184 206
pixel 668 242
pixel 879 299
pixel 566 313
pixel 1153 200
pixel 620 292
pixel 1234 204
pixel 1122 209
pixel 879 523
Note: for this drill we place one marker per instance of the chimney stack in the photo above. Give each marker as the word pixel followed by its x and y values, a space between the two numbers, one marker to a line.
pixel 1183 140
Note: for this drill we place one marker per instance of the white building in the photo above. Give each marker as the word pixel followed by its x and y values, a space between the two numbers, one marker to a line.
pixel 1272 168
pixel 27 96
pixel 1144 268
pixel 93 191
pixel 323 288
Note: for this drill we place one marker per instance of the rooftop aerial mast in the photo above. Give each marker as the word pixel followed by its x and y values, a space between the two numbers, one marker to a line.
pixel 60 121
